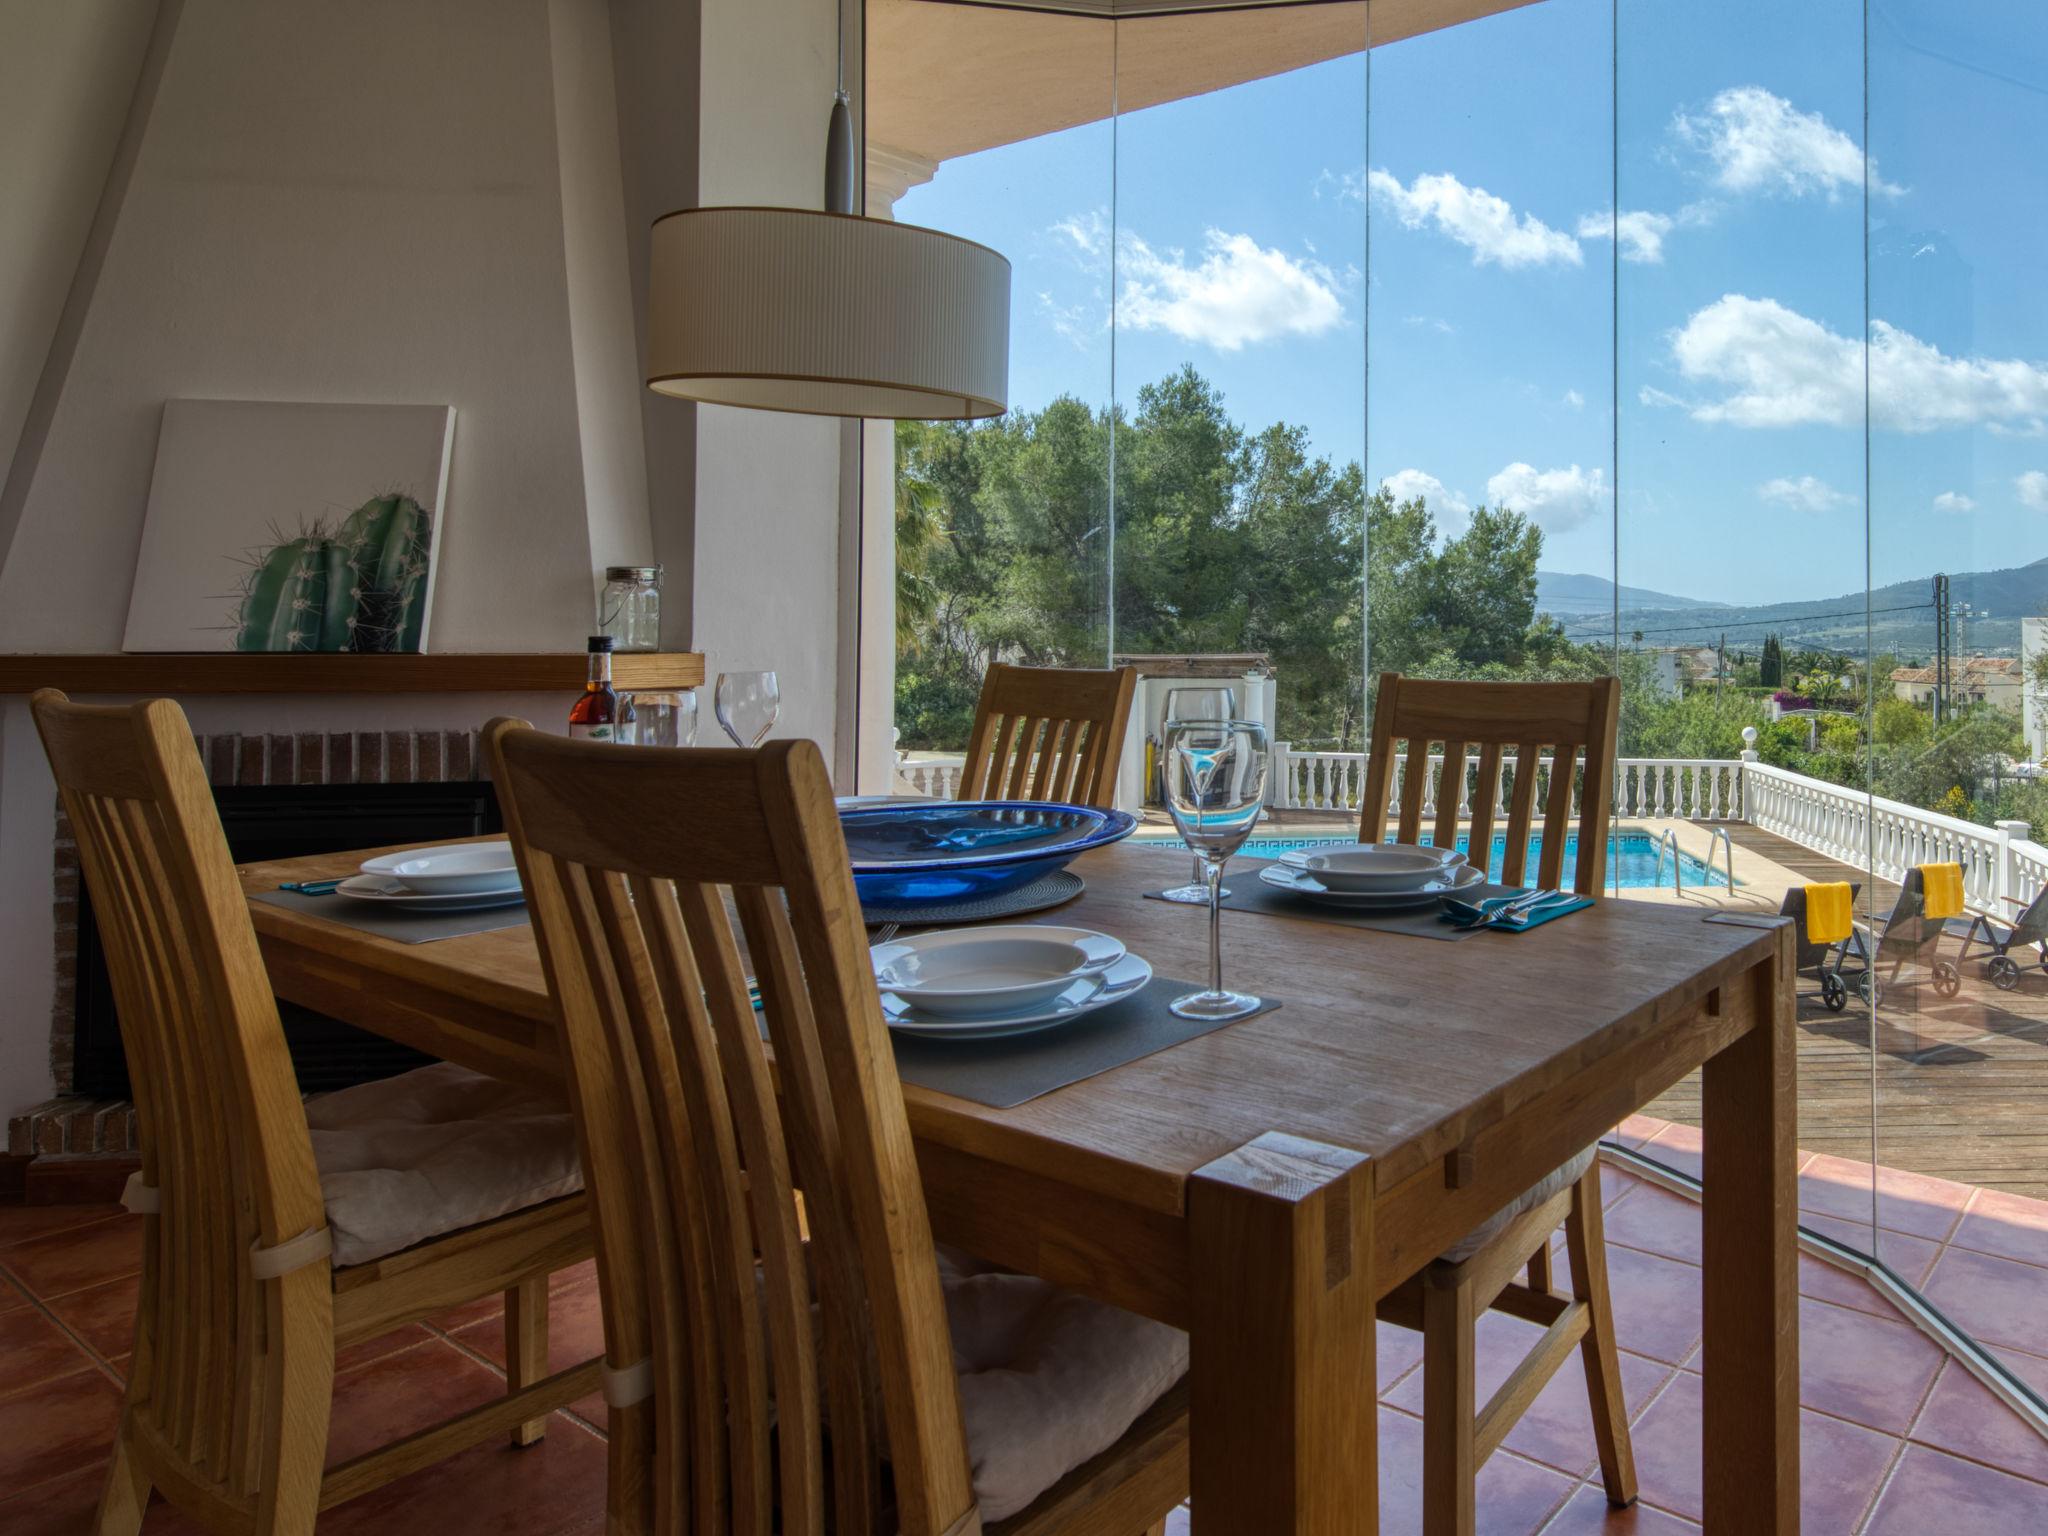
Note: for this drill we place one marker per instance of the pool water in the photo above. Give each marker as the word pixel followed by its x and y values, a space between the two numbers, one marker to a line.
pixel 1631 857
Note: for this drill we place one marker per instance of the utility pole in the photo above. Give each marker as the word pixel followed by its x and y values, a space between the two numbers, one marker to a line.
pixel 1941 648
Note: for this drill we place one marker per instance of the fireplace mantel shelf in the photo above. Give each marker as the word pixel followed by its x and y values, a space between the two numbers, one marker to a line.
pixel 309 672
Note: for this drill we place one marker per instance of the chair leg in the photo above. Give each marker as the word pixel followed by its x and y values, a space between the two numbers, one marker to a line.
pixel 526 1347
pixel 1542 1275
pixel 1448 1409
pixel 1586 1249
pixel 126 1494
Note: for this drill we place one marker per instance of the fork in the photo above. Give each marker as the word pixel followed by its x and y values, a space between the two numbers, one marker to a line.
pixel 883 934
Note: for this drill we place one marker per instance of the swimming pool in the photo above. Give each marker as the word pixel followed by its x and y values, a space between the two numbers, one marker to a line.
pixel 1631 856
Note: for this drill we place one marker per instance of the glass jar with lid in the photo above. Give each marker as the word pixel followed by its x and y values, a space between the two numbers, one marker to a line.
pixel 630 609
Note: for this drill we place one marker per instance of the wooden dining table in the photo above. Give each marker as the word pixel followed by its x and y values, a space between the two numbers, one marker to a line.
pixel 1265 1184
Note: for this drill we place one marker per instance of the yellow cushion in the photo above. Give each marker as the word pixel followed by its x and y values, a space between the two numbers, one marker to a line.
pixel 1829 909
pixel 1942 889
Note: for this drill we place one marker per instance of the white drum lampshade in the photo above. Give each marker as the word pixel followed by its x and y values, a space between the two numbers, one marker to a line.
pixel 831 314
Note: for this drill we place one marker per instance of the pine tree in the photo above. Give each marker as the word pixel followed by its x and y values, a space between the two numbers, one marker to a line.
pixel 1771 667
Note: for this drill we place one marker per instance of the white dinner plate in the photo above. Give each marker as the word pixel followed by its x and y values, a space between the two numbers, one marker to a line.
pixel 456 868
pixel 1083 996
pixel 977 972
pixel 384 891
pixel 1296 883
pixel 1374 866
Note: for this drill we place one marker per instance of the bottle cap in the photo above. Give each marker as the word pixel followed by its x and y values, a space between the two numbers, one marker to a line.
pixel 601 642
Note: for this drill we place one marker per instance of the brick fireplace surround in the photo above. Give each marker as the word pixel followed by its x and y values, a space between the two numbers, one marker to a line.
pixel 69 1124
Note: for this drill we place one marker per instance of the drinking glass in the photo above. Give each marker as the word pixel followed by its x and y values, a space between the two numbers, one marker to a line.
pixel 1184 705
pixel 1215 786
pixel 747 703
pixel 667 718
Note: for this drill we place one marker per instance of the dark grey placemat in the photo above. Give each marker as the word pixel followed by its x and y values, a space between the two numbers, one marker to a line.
pixel 1048 891
pixel 1007 1072
pixel 406 927
pixel 1248 893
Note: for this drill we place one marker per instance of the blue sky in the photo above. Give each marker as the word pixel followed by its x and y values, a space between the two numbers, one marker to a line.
pixel 1488 304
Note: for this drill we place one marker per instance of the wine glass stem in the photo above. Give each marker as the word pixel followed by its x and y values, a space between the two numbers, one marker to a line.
pixel 1213 873
pixel 1201 873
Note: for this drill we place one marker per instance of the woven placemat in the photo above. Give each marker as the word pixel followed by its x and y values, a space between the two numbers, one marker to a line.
pixel 1048 891
pixel 1251 894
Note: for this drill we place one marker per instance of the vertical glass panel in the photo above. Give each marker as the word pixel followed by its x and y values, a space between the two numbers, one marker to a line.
pixel 1958 213
pixel 1741 612
pixel 1240 345
pixel 1490 430
pixel 997 125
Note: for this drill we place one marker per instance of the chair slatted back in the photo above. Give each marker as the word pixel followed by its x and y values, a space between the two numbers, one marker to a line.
pixel 1048 733
pixel 223 1129
pixel 692 1157
pixel 1496 718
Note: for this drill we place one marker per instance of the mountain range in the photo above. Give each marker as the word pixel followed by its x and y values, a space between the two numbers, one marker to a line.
pixel 1900 616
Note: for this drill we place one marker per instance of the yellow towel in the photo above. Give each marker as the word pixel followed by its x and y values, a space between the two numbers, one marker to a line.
pixel 1942 887
pixel 1828 912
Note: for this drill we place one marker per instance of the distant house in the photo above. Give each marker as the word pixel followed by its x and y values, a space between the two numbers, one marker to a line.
pixel 1972 680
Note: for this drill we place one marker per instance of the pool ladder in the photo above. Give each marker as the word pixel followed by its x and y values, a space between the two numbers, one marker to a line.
pixel 1717 836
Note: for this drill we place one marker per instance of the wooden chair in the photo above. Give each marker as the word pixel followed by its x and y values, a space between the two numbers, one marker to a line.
pixel 762 1349
pixel 1444 1301
pixel 241 1310
pixel 1048 733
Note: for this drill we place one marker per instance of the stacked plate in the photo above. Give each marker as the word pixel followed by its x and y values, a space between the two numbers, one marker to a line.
pixel 461 877
pixel 985 983
pixel 1372 877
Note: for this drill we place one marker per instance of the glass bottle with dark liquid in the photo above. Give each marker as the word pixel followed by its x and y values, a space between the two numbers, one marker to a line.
pixel 597 716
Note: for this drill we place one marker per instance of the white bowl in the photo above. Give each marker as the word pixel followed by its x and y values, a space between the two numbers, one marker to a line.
pixel 458 868
pixel 968 972
pixel 1377 866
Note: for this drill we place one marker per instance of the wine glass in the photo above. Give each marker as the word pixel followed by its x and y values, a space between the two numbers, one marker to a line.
pixel 1215 786
pixel 1190 704
pixel 747 703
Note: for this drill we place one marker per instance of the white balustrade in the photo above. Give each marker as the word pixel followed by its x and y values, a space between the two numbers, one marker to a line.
pixel 938 777
pixel 1680 789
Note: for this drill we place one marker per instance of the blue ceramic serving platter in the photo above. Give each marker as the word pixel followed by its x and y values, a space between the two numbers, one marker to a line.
pixel 944 850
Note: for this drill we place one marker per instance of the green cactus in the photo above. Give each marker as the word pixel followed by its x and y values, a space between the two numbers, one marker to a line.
pixel 360 588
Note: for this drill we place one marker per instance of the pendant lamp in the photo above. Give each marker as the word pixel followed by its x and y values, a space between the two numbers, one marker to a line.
pixel 827 313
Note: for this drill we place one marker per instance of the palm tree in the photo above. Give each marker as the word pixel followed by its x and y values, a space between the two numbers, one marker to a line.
pixel 920 528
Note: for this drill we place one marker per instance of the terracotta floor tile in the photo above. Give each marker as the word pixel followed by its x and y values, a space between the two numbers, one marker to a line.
pixel 1841 1464
pixel 1910 1257
pixel 1863 1368
pixel 33 1349
pixel 2011 1226
pixel 1177 1522
pixel 1962 1415
pixel 493 1304
pixel 1637 1129
pixel 56 1427
pixel 1514 1497
pixel 575 1328
pixel 1822 1280
pixel 1657 1221
pixel 1676 1146
pixel 1997 1301
pixel 1933 1492
pixel 2031 1369
pixel 102 1315
pixel 361 1354
pixel 1399 1352
pixel 11 1295
pixel 1906 1202
pixel 1557 1429
pixel 1589 1513
pixel 24 1223
pixel 70 1260
pixel 393 1396
pixel 61 1507
pixel 555 1488
pixel 1656 1304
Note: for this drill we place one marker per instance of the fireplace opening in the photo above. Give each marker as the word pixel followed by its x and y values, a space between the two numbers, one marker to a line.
pixel 279 821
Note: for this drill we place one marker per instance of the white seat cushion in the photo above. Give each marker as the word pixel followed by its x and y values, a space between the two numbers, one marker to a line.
pixel 433 1151
pixel 1497 1223
pixel 1047 1378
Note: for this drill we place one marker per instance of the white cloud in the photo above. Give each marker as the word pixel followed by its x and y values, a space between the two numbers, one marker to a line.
pixel 1953 501
pixel 1652 396
pixel 1782 369
pixel 1640 232
pixel 1760 142
pixel 1484 224
pixel 2033 489
pixel 1432 322
pixel 2035 428
pixel 1556 498
pixel 1806 494
pixel 1575 400
pixel 1080 324
pixel 1087 232
pixel 1407 484
pixel 1240 292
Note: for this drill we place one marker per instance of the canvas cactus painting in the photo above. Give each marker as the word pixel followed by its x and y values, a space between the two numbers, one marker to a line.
pixel 277 526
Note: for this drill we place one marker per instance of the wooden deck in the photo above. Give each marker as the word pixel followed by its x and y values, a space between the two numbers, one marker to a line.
pixel 1957 1087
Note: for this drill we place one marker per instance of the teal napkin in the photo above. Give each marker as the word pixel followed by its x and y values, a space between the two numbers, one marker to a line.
pixel 1532 917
